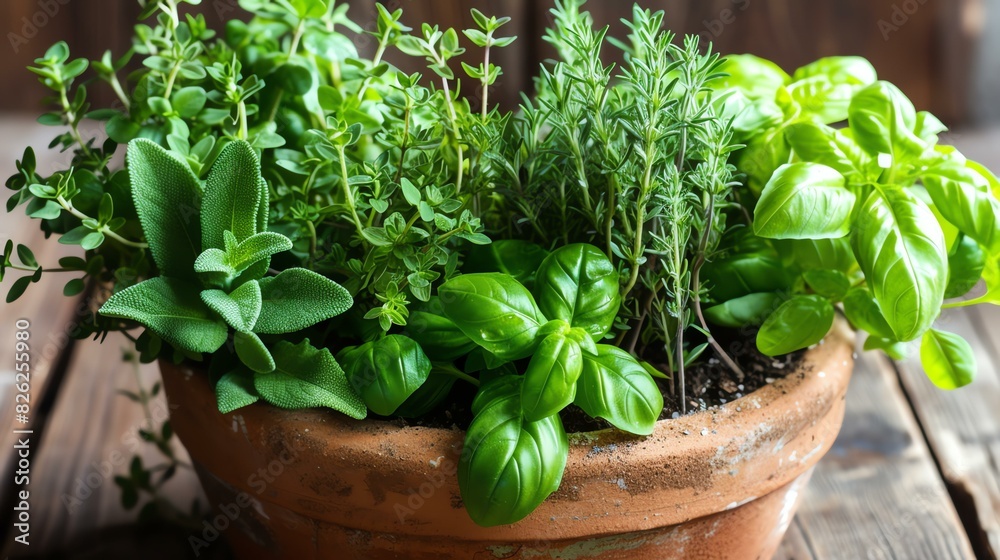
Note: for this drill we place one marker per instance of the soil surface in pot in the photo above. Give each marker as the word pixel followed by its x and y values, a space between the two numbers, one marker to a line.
pixel 709 383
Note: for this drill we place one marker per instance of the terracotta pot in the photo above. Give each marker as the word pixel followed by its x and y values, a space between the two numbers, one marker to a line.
pixel 313 484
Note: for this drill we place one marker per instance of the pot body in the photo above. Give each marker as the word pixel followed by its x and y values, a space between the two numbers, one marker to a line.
pixel 312 484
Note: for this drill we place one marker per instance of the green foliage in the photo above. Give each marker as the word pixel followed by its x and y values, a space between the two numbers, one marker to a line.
pixel 305 376
pixel 509 464
pixel 386 372
pixel 947 359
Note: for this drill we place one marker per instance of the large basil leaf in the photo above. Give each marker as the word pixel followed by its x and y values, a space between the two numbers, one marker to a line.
pixel 963 197
pixel 800 322
pixel 614 386
pixel 863 313
pixel 804 201
pixel 763 154
pixel 754 267
pixel 966 262
pixel 829 254
pixel 173 310
pixel 386 372
pixel 168 200
pixel 853 70
pixel 756 77
pixel 882 120
pixel 509 465
pixel 902 252
pixel 818 143
pixel 578 284
pixel 438 335
pixel 430 395
pixel 750 309
pixel 948 359
pixel 550 380
pixel 495 311
pixel 516 257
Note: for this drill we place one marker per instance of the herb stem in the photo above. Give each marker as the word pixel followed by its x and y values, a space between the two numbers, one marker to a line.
pixel 68 206
pixel 349 193
pixel 458 137
pixel 296 37
pixel 455 372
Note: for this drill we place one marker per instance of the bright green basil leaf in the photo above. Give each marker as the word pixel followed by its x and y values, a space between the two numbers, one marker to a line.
pixel 578 284
pixel 240 308
pixel 832 254
pixel 893 348
pixel 516 257
pixel 753 267
pixel 386 372
pixel 763 154
pixel 232 193
pixel 799 323
pixel 882 120
pixel 947 359
pixel 550 380
pixel 305 377
pixel 963 197
pixel 804 201
pixel 495 311
pixel 853 70
pixel 432 394
pixel 823 99
pixel 902 252
pixel 167 198
pixel 509 465
pixel 750 309
pixel 439 336
pixel 864 314
pixel 754 76
pixel 928 127
pixel 235 390
pixel 819 143
pixel 298 298
pixel 172 309
pixel 966 262
pixel 614 386
pixel 252 352
pixel 831 284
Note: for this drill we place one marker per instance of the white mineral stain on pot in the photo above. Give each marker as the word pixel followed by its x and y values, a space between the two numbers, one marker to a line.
pixel 436 462
pixel 735 505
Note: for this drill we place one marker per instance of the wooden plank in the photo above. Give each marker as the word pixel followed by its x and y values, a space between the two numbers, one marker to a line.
pixel 90 438
pixel 963 427
pixel 877 493
pixel 51 315
pixel 794 546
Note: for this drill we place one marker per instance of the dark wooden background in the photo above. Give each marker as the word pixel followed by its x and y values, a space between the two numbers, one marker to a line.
pixel 927 47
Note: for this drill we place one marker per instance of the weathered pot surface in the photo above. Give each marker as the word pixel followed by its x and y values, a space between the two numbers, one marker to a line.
pixel 722 483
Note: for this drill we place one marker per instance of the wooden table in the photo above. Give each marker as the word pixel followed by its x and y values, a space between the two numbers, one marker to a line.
pixel 915 473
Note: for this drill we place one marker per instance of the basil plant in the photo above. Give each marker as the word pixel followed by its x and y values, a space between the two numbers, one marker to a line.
pixel 860 208
pixel 516 447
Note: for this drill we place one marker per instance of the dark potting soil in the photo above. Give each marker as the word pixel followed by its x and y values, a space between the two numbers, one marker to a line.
pixel 709 383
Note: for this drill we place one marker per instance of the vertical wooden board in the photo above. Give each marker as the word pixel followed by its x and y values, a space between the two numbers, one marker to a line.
pixel 50 314
pixel 877 493
pixel 91 437
pixel 794 546
pixel 963 426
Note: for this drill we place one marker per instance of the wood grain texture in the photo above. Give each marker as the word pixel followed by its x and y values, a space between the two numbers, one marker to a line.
pixel 51 315
pixel 963 426
pixel 877 494
pixel 90 438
